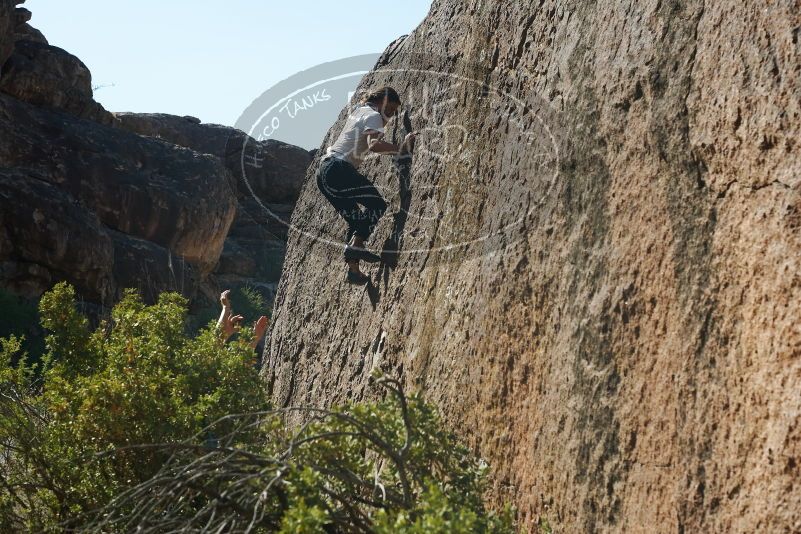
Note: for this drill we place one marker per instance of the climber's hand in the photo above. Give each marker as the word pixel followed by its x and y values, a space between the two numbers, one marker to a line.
pixel 408 141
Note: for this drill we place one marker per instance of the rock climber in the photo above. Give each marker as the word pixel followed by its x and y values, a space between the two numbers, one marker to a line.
pixel 352 194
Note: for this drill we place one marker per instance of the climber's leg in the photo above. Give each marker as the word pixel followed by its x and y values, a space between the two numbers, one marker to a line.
pixel 343 186
pixel 362 191
pixel 352 213
pixel 333 184
pixel 375 207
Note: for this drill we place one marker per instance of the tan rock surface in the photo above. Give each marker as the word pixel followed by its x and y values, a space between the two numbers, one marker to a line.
pixel 620 336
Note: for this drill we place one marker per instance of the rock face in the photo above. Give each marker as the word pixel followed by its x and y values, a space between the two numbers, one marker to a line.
pixel 46 75
pixel 146 188
pixel 272 176
pixel 33 71
pixel 26 32
pixel 48 236
pixel 174 198
pixel 268 177
pixel 143 200
pixel 8 23
pixel 595 267
pixel 97 206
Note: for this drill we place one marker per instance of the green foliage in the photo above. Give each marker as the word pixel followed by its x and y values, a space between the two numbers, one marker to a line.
pixel 137 426
pixel 248 303
pixel 382 467
pixel 139 380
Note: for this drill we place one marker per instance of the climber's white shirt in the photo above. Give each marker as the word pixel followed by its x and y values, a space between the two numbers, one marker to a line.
pixel 351 145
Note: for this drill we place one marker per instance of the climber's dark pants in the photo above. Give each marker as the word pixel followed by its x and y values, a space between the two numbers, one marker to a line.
pixel 346 189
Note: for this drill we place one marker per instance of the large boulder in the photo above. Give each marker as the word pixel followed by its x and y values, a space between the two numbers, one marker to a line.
pixel 46 235
pixel 272 171
pixel 268 175
pixel 46 75
pixel 172 196
pixel 26 32
pixel 595 269
pixel 150 269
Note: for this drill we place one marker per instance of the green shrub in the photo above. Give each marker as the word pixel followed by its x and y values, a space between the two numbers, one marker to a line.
pixel 383 467
pixel 137 426
pixel 249 303
pixel 138 380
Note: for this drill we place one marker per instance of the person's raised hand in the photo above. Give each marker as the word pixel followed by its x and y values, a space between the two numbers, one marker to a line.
pixel 259 329
pixel 231 325
pixel 225 301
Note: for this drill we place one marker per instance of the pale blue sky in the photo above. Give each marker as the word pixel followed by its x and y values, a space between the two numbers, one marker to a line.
pixel 211 59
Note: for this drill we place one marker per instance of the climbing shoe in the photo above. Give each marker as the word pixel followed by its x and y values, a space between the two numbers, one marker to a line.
pixel 358 253
pixel 357 278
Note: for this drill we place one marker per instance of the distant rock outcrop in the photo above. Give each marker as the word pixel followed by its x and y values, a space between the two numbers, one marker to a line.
pixel 46 75
pixel 46 235
pixel 33 71
pixel 593 264
pixel 172 197
pixel 274 177
pixel 26 32
pixel 8 24
pixel 268 178
pixel 149 201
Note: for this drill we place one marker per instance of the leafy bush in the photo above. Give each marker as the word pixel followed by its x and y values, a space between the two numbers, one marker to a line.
pixel 384 467
pixel 248 302
pixel 137 426
pixel 137 380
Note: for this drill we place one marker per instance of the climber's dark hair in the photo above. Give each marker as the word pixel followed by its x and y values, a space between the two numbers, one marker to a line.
pixel 377 96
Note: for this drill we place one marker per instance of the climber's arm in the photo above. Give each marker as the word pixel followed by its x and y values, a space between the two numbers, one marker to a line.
pixel 379 146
